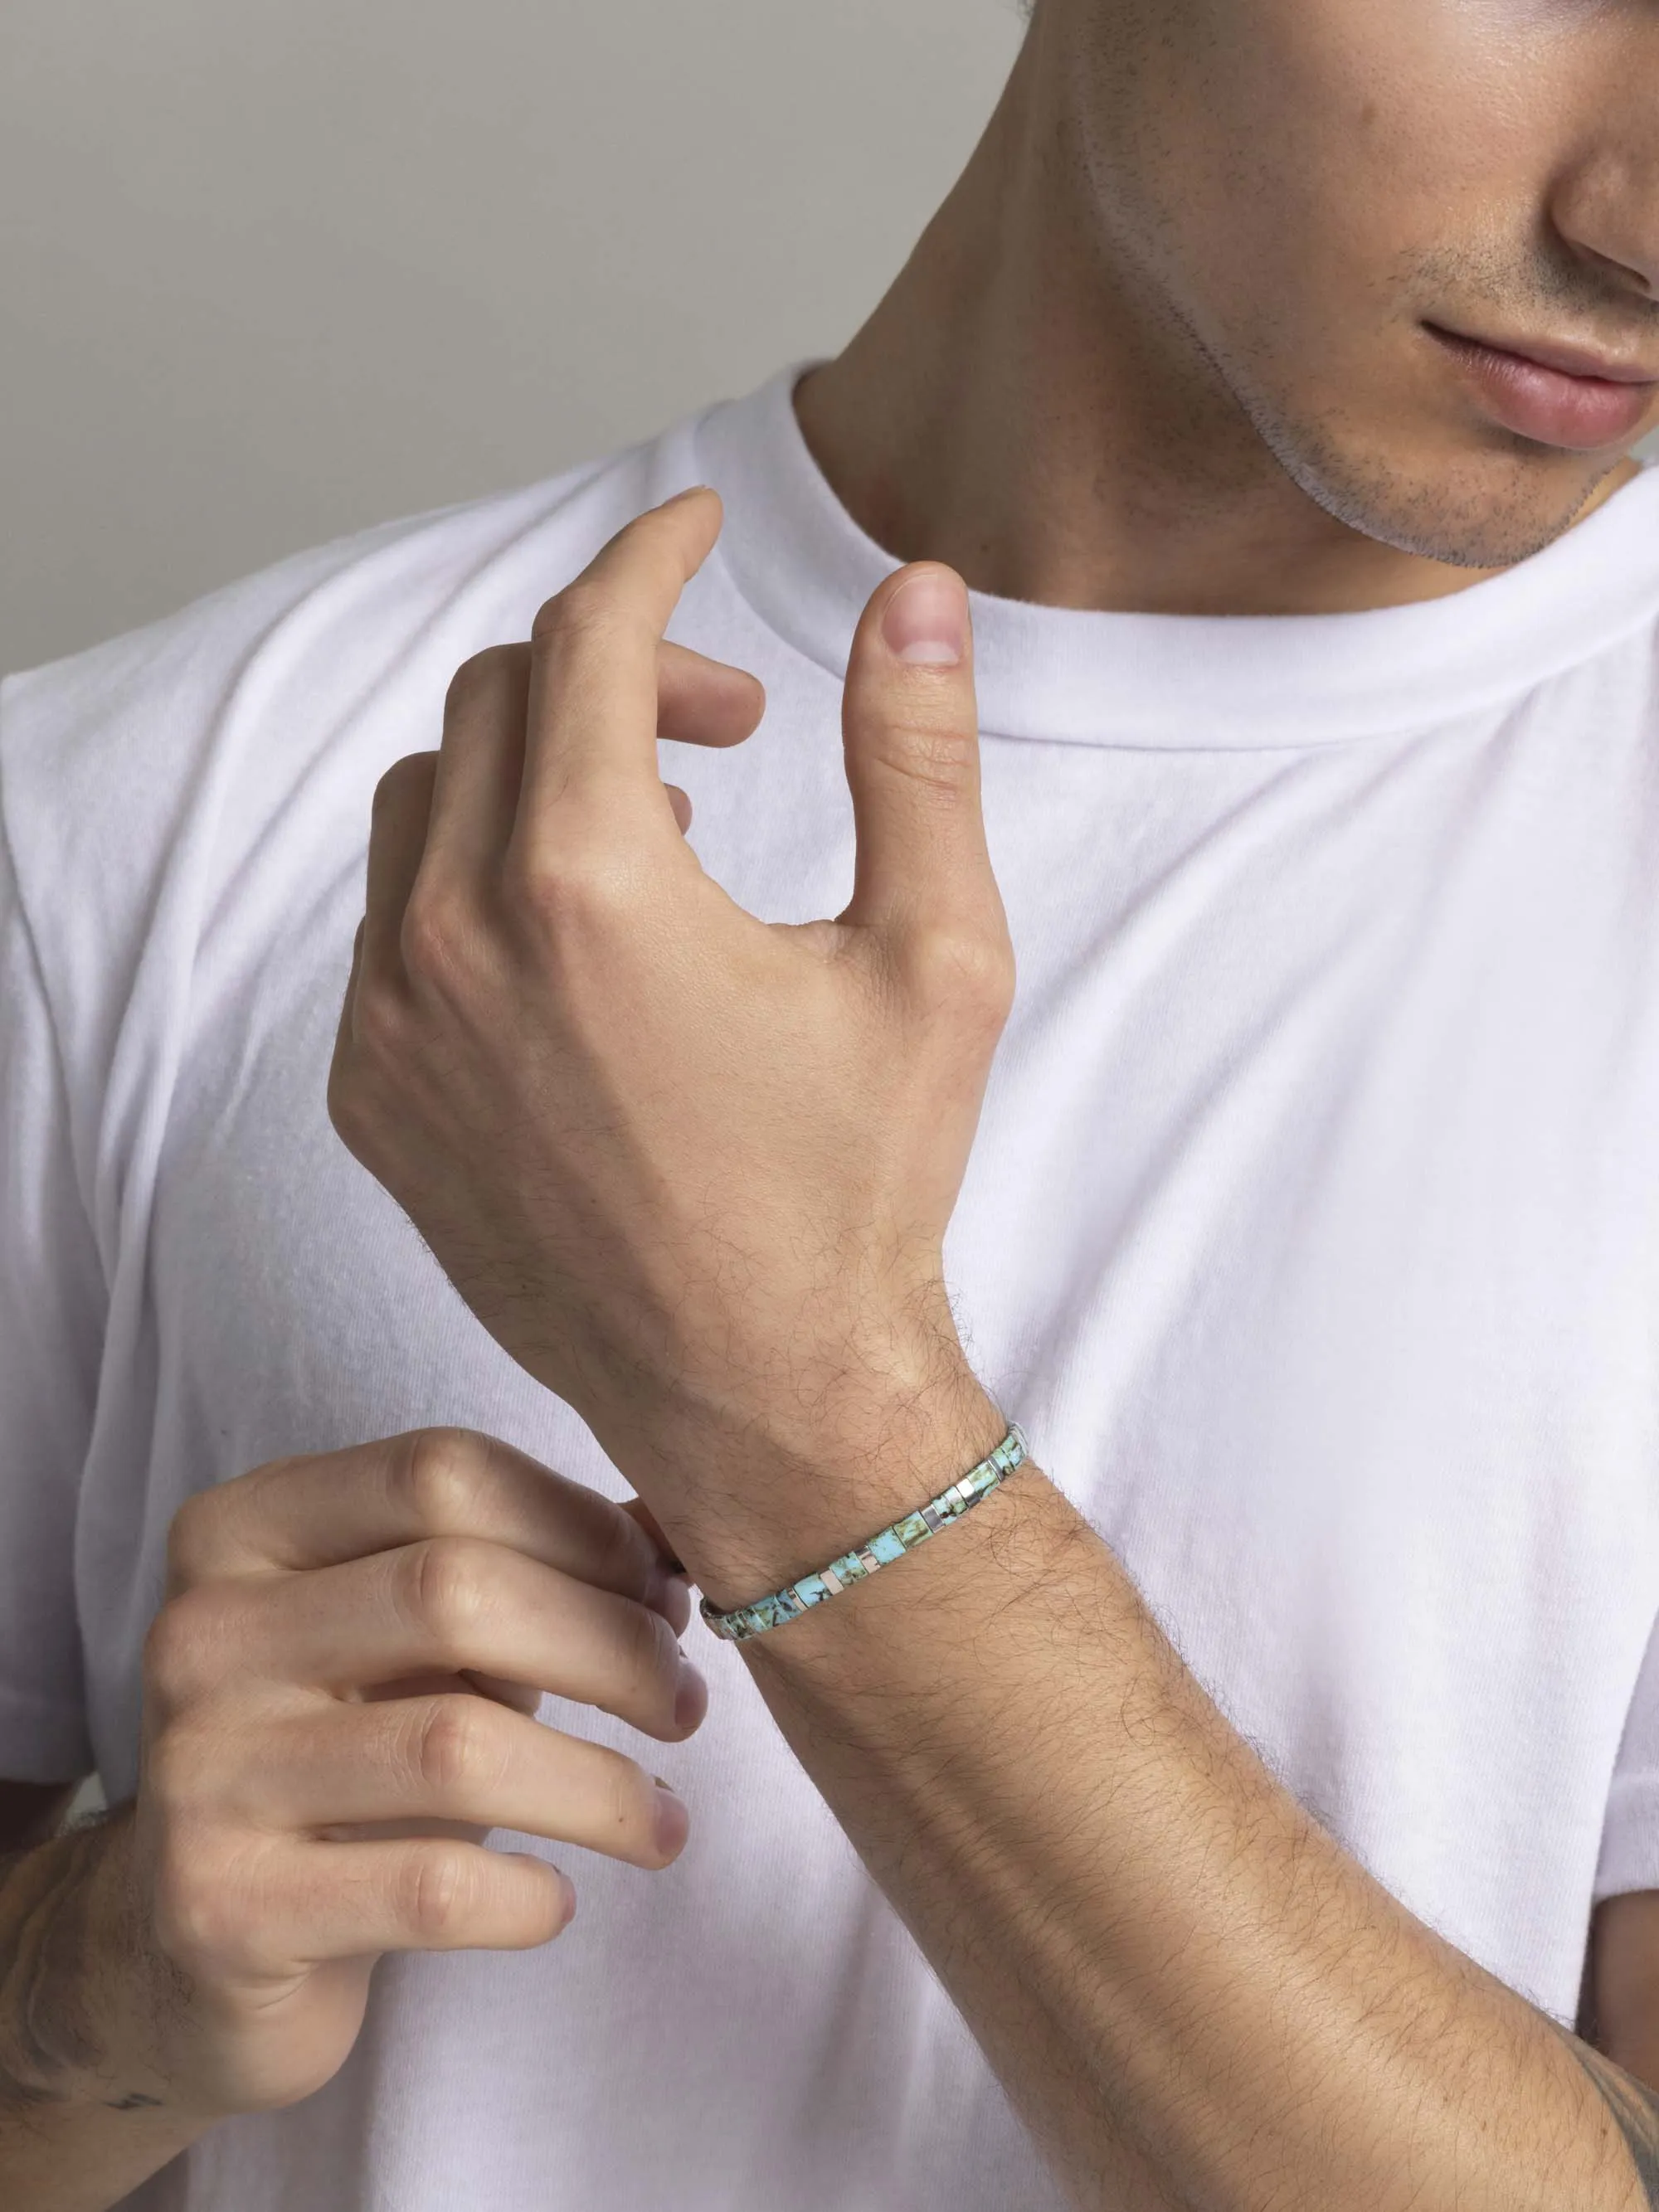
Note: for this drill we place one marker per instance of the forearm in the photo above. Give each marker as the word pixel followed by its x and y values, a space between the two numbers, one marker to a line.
pixel 81 2121
pixel 1195 1998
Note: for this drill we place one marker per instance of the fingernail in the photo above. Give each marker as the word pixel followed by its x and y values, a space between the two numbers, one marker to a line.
pixel 567 1888
pixel 926 621
pixel 691 1697
pixel 671 1820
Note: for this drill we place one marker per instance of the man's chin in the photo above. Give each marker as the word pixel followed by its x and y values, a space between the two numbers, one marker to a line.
pixel 1482 511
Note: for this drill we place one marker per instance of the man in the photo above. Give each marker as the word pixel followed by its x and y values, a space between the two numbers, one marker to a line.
pixel 1268 1001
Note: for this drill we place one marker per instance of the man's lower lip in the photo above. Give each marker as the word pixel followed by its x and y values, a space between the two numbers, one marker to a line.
pixel 1578 412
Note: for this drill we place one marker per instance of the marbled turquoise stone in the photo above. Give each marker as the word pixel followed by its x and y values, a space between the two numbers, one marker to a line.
pixel 891 1543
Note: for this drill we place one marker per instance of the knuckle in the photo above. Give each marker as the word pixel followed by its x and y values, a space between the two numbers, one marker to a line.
pixel 441 1476
pixel 623 1553
pixel 438 1886
pixel 412 773
pixel 435 933
pixel 178 1901
pixel 573 892
pixel 480 679
pixel 177 1762
pixel 625 1805
pixel 444 1592
pixel 581 609
pixel 936 756
pixel 184 1646
pixel 164 1640
pixel 380 1030
pixel 202 1907
pixel 190 1537
pixel 650 1658
pixel 963 969
pixel 454 1748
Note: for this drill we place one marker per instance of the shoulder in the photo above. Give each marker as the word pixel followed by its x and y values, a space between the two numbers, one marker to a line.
pixel 322 621
pixel 181 804
pixel 135 775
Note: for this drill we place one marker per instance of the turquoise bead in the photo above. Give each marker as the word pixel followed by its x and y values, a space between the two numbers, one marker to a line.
pixel 887 1545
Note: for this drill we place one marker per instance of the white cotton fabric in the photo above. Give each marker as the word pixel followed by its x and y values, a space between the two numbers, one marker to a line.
pixel 1311 1232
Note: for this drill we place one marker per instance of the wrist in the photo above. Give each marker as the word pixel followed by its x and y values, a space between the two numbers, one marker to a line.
pixel 787 1495
pixel 918 1631
pixel 61 2024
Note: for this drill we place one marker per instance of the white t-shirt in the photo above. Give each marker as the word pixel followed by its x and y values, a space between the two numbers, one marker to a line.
pixel 1312 1231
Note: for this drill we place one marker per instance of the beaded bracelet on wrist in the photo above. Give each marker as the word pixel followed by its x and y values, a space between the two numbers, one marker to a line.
pixel 889 1544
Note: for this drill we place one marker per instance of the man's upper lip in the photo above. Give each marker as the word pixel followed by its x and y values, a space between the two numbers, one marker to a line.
pixel 1550 352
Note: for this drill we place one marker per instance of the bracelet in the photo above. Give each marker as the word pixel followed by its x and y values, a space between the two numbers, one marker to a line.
pixel 887 1545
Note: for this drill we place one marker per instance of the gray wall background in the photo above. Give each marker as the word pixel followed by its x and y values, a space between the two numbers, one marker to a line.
pixel 273 269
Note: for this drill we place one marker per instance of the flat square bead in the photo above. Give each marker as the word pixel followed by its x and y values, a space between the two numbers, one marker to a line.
pixel 891 1544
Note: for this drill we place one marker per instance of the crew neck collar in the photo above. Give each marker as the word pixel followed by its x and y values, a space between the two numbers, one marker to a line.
pixel 1209 682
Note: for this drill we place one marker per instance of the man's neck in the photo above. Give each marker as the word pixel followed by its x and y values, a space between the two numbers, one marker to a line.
pixel 1021 406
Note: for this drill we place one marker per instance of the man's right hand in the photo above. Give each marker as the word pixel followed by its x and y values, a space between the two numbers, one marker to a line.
pixel 337 1705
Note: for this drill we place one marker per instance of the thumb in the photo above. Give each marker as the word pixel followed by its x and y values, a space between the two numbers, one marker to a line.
pixel 910 727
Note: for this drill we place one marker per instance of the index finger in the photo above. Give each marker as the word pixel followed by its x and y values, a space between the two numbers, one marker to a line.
pixel 331 1507
pixel 594 683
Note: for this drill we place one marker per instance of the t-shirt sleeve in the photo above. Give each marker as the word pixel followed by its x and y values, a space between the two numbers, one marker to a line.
pixel 50 1329
pixel 1630 1834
